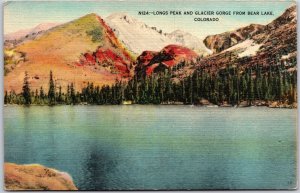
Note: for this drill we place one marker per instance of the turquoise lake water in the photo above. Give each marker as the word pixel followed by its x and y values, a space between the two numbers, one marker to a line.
pixel 157 147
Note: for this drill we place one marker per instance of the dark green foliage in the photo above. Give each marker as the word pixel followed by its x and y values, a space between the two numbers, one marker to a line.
pixel 6 98
pixel 72 94
pixel 229 85
pixel 96 34
pixel 51 92
pixel 26 90
pixel 59 95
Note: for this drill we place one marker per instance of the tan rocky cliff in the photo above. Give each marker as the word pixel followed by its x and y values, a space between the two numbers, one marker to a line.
pixel 35 177
pixel 220 42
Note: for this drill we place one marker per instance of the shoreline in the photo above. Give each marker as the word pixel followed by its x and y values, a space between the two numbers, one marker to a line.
pixel 277 106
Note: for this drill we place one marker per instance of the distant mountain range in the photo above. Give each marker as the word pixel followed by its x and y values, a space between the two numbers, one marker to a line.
pixel 92 49
pixel 21 34
pixel 136 35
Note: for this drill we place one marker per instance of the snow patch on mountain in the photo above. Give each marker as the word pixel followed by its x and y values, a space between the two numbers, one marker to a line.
pixel 188 40
pixel 138 37
pixel 250 51
pixel 245 48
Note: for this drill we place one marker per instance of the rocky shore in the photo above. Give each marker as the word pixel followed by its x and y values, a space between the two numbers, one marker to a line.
pixel 35 177
pixel 255 103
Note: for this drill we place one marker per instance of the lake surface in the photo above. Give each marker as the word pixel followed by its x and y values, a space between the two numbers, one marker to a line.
pixel 157 147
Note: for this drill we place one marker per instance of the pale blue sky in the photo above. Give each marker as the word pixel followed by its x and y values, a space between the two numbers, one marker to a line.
pixel 21 15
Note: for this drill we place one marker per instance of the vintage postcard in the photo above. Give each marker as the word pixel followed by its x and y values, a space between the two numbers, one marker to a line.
pixel 150 95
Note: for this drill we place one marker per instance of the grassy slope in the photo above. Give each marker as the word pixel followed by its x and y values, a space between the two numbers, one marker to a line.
pixel 57 50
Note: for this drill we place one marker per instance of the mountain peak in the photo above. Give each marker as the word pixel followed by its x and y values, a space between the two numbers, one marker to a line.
pixel 135 35
pixel 91 15
pixel 289 16
pixel 86 43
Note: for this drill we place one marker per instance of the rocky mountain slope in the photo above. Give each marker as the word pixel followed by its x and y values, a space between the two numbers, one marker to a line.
pixel 81 51
pixel 138 36
pixel 220 42
pixel 169 57
pixel 267 45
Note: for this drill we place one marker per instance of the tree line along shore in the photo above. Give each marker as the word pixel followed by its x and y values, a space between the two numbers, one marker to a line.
pixel 273 86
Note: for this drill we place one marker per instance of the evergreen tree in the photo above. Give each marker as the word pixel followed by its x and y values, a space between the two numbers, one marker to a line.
pixel 250 88
pixel 42 95
pixel 51 92
pixel 26 90
pixel 36 97
pixel 72 94
pixel 6 98
pixel 59 97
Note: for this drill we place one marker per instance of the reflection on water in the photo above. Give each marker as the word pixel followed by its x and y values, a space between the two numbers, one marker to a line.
pixel 95 172
pixel 157 147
